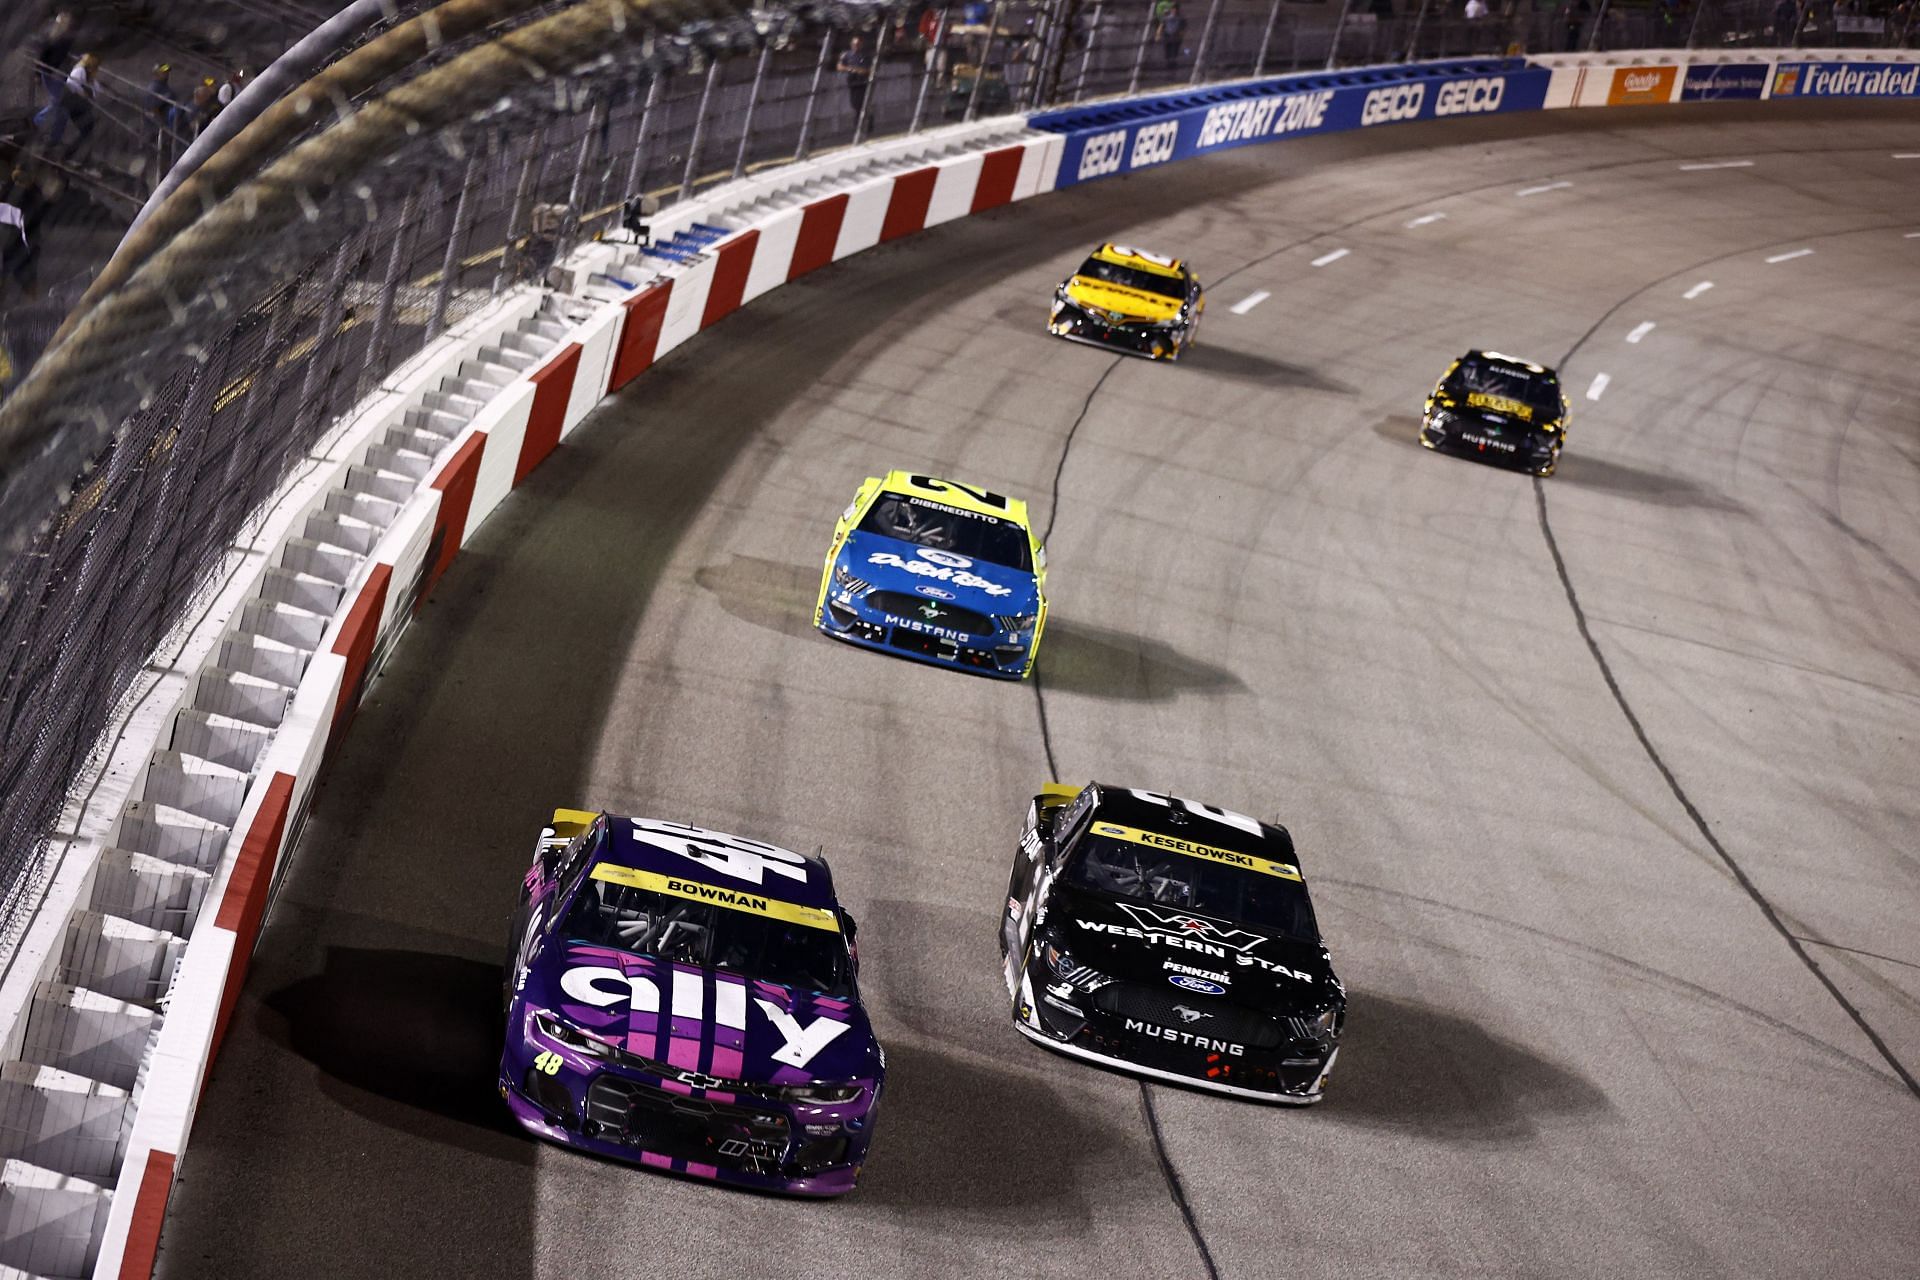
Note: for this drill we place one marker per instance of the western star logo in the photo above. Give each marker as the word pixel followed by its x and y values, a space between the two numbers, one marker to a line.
pixel 1155 921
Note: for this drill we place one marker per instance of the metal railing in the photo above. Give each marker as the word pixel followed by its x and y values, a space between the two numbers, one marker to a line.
pixel 291 282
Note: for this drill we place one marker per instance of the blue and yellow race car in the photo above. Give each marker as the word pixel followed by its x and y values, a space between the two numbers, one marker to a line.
pixel 939 571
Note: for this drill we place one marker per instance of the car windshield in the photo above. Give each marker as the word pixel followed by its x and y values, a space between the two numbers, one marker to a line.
pixel 1141 873
pixel 1499 386
pixel 930 524
pixel 1133 278
pixel 680 931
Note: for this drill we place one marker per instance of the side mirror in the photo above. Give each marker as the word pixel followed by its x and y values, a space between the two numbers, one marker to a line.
pixel 851 927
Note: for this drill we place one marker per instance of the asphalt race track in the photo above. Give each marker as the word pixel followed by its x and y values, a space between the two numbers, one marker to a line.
pixel 1606 785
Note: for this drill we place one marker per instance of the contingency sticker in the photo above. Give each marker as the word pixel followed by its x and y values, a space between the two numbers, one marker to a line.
pixel 1501 404
pixel 1284 870
pixel 774 908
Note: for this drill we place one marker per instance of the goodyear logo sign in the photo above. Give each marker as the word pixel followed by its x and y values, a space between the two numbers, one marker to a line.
pixel 1189 124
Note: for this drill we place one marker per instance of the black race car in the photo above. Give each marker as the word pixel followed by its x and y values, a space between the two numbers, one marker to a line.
pixel 1170 939
pixel 1499 409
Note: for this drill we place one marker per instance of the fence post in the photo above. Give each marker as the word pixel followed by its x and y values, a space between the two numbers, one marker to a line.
pixel 1599 21
pixel 753 101
pixel 1333 50
pixel 330 317
pixel 699 128
pixel 1206 39
pixel 637 166
pixel 1051 57
pixel 1419 20
pixel 390 286
pixel 986 57
pixel 1086 57
pixel 1693 28
pixel 873 80
pixel 1140 55
pixel 521 192
pixel 1266 40
pixel 456 245
pixel 933 63
pixel 1800 22
pixel 571 220
pixel 813 95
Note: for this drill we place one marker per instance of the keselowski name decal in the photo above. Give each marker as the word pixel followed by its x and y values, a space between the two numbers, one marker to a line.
pixel 719 896
pixel 1192 849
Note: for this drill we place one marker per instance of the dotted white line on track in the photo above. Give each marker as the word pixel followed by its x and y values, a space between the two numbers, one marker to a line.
pixel 1335 256
pixel 1697 290
pixel 1906 155
pixel 1717 164
pixel 1911 235
pixel 1538 191
pixel 1249 302
pixel 1640 331
pixel 1425 218
pixel 1788 257
pixel 1599 385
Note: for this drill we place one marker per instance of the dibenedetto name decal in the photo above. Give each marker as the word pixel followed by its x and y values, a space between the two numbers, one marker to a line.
pixel 1288 110
pixel 1845 80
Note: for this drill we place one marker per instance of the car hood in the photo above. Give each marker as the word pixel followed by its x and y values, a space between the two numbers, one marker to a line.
pixel 893 564
pixel 1130 304
pixel 702 1020
pixel 1156 945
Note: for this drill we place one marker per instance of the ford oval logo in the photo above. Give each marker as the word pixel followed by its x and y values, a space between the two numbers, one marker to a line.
pixel 1205 988
pixel 935 592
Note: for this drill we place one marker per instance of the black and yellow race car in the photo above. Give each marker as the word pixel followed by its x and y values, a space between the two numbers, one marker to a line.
pixel 1131 301
pixel 1498 409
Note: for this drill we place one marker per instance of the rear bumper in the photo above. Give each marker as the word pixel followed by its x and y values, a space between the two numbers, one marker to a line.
pixel 834 1181
pixel 996 655
pixel 1154 344
pixel 1303 1099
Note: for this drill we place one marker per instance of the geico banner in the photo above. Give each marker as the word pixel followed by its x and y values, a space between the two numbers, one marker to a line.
pixel 1288 108
pixel 1846 80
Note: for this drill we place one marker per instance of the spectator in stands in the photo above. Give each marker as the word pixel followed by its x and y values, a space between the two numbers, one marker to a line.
pixel 51 59
pixel 235 82
pixel 1173 26
pixel 74 104
pixel 205 105
pixel 856 64
pixel 163 105
pixel 1573 15
pixel 19 246
pixel 1476 10
pixel 1786 20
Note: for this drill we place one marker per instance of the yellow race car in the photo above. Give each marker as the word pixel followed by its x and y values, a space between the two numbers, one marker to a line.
pixel 935 570
pixel 1130 300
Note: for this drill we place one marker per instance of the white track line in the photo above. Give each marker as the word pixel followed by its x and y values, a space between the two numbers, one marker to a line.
pixel 1640 331
pixel 1697 290
pixel 1249 302
pixel 1906 155
pixel 1335 256
pixel 1717 164
pixel 1788 257
pixel 1536 191
pixel 1911 235
pixel 1599 387
pixel 1425 218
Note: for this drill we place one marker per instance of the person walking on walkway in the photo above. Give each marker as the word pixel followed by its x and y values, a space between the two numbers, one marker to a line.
pixel 856 64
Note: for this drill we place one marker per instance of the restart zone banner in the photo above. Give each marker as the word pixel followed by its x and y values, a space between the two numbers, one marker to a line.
pixel 1127 137
pixel 1846 80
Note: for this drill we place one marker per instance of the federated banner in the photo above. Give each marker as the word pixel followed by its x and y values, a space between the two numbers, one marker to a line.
pixel 1126 138
pixel 1846 80
pixel 1721 81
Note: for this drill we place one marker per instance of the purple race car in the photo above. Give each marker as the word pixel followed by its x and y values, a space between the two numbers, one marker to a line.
pixel 686 999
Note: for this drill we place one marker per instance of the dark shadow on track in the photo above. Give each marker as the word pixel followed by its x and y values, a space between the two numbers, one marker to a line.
pixel 1076 657
pixel 1661 488
pixel 766 593
pixel 411 1027
pixel 1408 1066
pixel 1245 366
pixel 965 1140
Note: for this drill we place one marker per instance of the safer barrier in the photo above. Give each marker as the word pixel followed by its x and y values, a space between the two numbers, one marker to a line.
pixel 492 411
